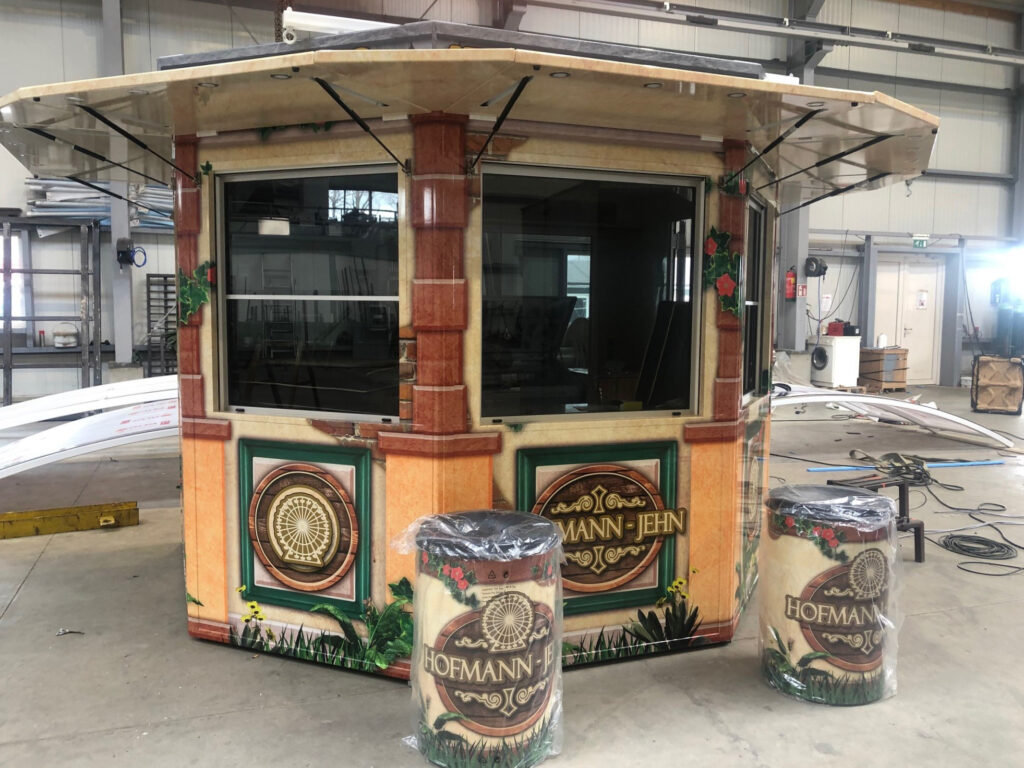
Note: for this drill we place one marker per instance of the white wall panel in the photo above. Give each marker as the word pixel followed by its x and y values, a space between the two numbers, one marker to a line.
pixel 259 23
pixel 995 201
pixel 836 12
pixel 912 209
pixel 928 22
pixel 673 37
pixel 27 32
pixel 868 210
pixel 551 21
pixel 874 14
pixel 609 29
pixel 956 208
pixel 828 213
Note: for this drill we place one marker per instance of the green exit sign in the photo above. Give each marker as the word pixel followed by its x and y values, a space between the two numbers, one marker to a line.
pixel 920 241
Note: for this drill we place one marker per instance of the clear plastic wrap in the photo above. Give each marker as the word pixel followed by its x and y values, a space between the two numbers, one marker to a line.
pixel 829 613
pixel 486 663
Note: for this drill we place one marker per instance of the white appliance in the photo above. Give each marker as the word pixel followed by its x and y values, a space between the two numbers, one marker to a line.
pixel 835 360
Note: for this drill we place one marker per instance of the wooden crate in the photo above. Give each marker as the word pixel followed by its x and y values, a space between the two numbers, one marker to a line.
pixel 997 384
pixel 883 369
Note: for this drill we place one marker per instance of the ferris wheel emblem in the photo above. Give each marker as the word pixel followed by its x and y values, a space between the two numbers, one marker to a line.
pixel 507 621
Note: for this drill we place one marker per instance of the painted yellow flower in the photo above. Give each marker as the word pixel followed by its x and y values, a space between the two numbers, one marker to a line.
pixel 694 570
pixel 270 635
pixel 252 605
pixel 258 615
pixel 240 589
pixel 247 618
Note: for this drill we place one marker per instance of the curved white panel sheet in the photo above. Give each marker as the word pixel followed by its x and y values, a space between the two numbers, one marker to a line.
pixel 888 409
pixel 99 398
pixel 147 421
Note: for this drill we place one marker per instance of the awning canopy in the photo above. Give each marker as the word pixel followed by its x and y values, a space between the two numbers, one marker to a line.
pixel 830 139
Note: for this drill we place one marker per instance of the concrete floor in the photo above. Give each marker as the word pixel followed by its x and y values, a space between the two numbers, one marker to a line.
pixel 136 690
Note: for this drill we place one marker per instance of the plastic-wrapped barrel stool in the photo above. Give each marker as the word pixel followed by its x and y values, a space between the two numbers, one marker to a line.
pixel 486 662
pixel 828 608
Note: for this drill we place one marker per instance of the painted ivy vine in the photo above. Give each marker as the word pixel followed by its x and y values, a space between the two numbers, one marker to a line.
pixel 193 291
pixel 722 270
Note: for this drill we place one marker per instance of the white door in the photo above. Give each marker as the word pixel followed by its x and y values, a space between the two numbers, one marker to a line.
pixel 908 310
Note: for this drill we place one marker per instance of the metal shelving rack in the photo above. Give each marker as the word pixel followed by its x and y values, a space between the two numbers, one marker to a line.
pixel 87 353
pixel 161 324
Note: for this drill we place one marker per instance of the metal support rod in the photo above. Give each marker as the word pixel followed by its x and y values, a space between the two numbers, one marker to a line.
pixel 837 192
pixel 356 118
pixel 830 159
pixel 8 315
pixel 501 119
pixel 83 336
pixel 107 192
pixel 136 141
pixel 89 153
pixel 97 314
pixel 774 143
pixel 952 320
pixel 868 286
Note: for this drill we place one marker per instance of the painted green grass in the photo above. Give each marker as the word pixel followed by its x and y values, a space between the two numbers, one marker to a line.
pixel 388 636
pixel 803 681
pixel 674 630
pixel 451 750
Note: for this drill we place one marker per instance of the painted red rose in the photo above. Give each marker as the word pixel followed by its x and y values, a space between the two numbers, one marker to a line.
pixel 463 584
pixel 424 558
pixel 710 246
pixel 816 530
pixel 833 543
pixel 446 569
pixel 456 574
pixel 790 522
pixel 726 285
pixel 829 534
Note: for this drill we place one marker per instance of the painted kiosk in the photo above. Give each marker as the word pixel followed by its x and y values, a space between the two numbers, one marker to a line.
pixel 442 268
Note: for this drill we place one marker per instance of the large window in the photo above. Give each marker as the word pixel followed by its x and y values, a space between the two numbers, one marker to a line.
pixel 587 282
pixel 754 292
pixel 311 304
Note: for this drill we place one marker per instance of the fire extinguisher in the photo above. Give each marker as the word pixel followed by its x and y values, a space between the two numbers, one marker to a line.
pixel 791 284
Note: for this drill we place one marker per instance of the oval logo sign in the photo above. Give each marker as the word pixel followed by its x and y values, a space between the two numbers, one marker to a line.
pixel 303 527
pixel 495 665
pixel 842 611
pixel 612 521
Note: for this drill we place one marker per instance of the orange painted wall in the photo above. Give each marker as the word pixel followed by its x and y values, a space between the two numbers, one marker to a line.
pixel 424 485
pixel 202 471
pixel 714 501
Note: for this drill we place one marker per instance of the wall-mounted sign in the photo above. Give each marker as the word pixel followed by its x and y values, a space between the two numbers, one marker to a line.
pixel 303 526
pixel 613 522
pixel 304 515
pixel 615 506
pixel 920 241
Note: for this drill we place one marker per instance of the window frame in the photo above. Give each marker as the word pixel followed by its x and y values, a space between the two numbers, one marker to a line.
pixel 755 356
pixel 698 183
pixel 220 333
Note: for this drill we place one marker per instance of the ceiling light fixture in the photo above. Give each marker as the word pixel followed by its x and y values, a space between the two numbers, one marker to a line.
pixel 559 74
pixel 652 85
pixel 815 104
pixel 74 99
pixel 280 76
pixel 208 85
pixel 138 92
pixel 737 95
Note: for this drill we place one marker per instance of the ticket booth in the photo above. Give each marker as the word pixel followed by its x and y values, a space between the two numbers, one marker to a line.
pixel 418 279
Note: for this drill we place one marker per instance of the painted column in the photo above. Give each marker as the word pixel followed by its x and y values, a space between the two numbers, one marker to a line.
pixel 716 448
pixel 202 439
pixel 439 466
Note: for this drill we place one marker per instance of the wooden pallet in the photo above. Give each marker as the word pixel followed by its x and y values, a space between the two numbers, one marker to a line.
pixel 885 388
pixel 852 390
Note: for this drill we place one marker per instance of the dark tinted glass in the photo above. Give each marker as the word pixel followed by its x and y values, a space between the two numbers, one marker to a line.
pixel 312 312
pixel 586 295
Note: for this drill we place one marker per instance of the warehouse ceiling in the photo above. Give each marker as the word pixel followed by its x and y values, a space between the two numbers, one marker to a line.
pixel 121 128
